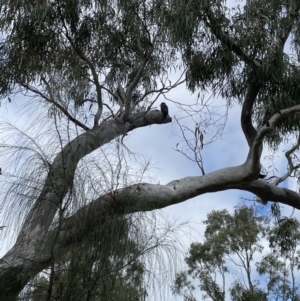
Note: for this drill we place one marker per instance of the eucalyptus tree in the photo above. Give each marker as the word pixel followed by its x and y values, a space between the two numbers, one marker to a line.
pixel 232 262
pixel 94 70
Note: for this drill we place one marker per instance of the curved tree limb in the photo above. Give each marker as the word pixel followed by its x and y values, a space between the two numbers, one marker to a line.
pixel 24 261
pixel 269 192
pixel 246 115
pixel 253 159
pixel 62 170
pixel 254 153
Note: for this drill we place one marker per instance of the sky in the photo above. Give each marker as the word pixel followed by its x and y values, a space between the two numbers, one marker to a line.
pixel 158 142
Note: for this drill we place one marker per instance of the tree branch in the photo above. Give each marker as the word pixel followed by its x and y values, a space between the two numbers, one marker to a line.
pixel 253 159
pixel 289 20
pixel 255 150
pixel 92 68
pixel 291 166
pixel 246 115
pixel 227 41
pixel 144 57
pixel 61 174
pixel 24 261
pixel 56 104
pixel 132 85
pixel 269 192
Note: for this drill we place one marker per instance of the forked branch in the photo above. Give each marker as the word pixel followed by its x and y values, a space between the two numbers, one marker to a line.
pixel 291 166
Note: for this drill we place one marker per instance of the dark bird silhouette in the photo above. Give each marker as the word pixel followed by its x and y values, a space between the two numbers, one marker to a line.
pixel 164 109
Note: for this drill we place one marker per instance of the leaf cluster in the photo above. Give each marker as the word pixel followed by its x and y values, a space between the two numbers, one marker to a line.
pixel 231 242
pixel 60 40
pixel 226 49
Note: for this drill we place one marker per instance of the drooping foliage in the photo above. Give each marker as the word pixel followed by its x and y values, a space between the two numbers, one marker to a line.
pixel 106 264
pixel 226 48
pixel 62 43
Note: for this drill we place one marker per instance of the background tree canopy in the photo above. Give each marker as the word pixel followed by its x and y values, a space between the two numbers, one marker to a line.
pixel 88 73
pixel 223 264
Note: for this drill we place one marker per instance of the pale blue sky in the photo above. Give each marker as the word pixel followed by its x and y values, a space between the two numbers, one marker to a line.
pixel 158 143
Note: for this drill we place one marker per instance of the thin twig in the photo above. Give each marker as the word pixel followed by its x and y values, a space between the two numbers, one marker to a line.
pixel 57 105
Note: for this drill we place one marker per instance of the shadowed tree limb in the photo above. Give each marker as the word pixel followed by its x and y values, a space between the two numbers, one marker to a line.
pixel 246 115
pixel 62 170
pixel 29 256
pixel 24 261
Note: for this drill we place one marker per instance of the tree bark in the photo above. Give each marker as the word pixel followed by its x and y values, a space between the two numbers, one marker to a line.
pixel 36 244
pixel 29 255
